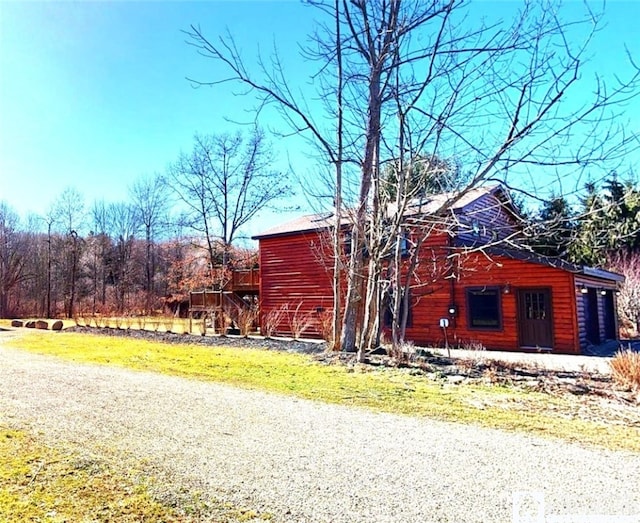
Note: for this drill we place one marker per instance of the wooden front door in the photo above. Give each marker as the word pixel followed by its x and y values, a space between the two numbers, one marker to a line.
pixel 535 319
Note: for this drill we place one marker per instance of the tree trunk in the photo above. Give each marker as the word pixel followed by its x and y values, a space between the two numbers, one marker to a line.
pixel 337 254
pixel 49 270
pixel 352 323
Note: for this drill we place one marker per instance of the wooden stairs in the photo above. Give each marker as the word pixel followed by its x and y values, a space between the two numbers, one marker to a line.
pixel 238 295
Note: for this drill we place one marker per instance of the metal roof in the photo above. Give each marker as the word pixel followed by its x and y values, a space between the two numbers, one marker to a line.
pixel 432 204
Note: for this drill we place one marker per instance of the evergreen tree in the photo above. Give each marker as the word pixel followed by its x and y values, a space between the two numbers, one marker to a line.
pixel 426 176
pixel 608 223
pixel 554 228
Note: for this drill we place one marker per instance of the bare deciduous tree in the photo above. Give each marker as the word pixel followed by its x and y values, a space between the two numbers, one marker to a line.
pixel 150 200
pixel 99 243
pixel 222 184
pixel 49 219
pixel 424 81
pixel 123 226
pixel 628 264
pixel 13 257
pixel 68 213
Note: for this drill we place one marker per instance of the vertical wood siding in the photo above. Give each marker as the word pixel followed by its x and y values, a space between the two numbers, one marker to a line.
pixel 581 315
pixel 581 300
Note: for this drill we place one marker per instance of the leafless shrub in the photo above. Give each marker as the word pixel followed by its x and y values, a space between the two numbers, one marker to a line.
pixel 625 368
pixel 246 320
pixel 490 374
pixel 298 322
pixel 407 351
pixel 119 321
pixel 224 322
pixel 325 325
pixel 272 319
pixel 128 321
pixel 628 300
pixel 472 345
pixel 404 352
pixel 466 364
pixel 101 321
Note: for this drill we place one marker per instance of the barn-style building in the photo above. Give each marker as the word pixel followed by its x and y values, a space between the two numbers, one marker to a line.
pixel 497 297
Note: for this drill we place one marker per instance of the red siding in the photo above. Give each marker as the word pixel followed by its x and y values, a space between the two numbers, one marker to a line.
pixel 476 271
pixel 296 270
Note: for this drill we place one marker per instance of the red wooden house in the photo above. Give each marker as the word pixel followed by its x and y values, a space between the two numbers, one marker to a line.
pixel 498 297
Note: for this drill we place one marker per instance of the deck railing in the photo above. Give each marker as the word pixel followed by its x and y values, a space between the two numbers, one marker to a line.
pixel 202 300
pixel 244 280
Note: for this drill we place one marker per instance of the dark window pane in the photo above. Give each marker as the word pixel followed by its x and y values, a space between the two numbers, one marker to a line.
pixel 484 308
pixel 388 309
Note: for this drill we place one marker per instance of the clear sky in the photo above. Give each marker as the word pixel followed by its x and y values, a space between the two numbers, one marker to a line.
pixel 94 94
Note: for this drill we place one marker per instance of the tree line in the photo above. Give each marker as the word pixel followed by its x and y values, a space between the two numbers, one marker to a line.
pixel 601 229
pixel 139 258
pixel 175 233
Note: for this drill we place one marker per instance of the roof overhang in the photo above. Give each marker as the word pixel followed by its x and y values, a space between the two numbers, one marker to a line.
pixel 601 274
pixel 532 257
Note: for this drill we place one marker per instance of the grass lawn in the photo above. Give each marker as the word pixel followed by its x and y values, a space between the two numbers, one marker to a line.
pixel 388 390
pixel 41 483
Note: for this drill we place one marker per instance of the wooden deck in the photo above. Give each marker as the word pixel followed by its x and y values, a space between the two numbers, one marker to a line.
pixel 245 281
pixel 204 300
pixel 238 294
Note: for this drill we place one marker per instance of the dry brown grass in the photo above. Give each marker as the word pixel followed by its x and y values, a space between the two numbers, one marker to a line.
pixel 246 320
pixel 625 369
pixel 325 325
pixel 298 321
pixel 271 321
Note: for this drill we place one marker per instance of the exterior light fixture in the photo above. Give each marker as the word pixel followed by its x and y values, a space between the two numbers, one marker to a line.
pixel 507 289
pixel 453 310
pixel 603 292
pixel 583 289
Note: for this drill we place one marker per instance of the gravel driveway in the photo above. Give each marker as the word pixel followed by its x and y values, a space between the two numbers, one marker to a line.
pixel 306 461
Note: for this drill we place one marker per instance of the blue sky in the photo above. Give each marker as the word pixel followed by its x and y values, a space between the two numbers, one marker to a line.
pixel 94 95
